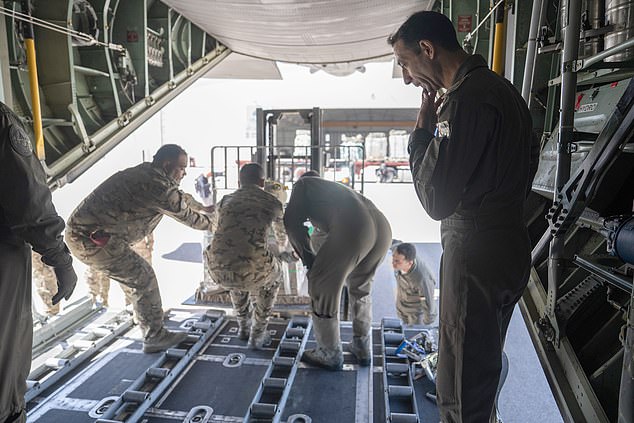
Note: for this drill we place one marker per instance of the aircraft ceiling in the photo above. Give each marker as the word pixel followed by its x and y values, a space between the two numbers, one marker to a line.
pixel 334 35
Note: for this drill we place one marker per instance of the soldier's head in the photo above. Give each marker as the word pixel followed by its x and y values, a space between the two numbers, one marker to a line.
pixel 427 50
pixel 310 173
pixel 403 257
pixel 251 174
pixel 172 159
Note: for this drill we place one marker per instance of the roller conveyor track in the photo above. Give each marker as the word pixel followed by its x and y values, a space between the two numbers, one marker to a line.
pixel 398 384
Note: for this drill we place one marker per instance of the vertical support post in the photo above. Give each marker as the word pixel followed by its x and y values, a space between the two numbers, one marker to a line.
pixel 29 41
pixel 531 50
pixel 260 136
pixel 557 257
pixel 315 140
pixel 499 42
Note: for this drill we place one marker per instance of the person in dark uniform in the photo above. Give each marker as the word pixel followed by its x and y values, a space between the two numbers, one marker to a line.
pixel 357 236
pixel 473 157
pixel 27 216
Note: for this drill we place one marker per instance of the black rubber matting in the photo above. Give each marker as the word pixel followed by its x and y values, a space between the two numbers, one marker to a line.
pixel 266 354
pixel 324 396
pixel 115 377
pixel 378 398
pixel 59 416
pixel 427 409
pixel 228 390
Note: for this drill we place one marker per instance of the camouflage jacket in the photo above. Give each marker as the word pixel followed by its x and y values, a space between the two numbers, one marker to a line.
pixel 130 204
pixel 244 219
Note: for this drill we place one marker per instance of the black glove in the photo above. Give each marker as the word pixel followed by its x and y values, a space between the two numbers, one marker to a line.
pixel 66 281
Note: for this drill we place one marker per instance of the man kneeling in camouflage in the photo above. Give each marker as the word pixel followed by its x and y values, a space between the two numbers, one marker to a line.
pixel 238 258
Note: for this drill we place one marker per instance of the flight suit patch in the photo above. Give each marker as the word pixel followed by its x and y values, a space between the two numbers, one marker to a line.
pixel 443 129
pixel 20 141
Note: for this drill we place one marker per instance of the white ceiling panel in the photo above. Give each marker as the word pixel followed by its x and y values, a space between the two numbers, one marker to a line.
pixel 302 31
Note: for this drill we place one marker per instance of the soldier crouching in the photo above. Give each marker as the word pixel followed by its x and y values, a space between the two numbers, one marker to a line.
pixel 238 257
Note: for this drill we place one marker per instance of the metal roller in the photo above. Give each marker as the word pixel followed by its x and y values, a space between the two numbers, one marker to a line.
pixel 391 324
pixel 284 361
pixel 397 368
pixel 56 363
pixel 290 346
pixel 32 384
pixel 203 325
pixel 175 353
pixel 263 410
pixel 101 332
pixel 393 338
pixel 295 333
pixel 135 396
pixel 274 382
pixel 300 321
pixel 390 351
pixel 107 421
pixel 157 372
pixel 403 418
pixel 82 344
pixel 400 391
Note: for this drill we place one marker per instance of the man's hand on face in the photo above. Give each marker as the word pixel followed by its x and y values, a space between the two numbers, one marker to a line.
pixel 427 115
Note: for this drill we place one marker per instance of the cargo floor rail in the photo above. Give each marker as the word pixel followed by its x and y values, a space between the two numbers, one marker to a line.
pixel 398 385
pixel 130 406
pixel 79 350
pixel 270 399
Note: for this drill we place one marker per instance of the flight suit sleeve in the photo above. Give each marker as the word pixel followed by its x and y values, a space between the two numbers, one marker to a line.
pixel 535 150
pixel 426 288
pixel 185 209
pixel 294 219
pixel 442 164
pixel 25 199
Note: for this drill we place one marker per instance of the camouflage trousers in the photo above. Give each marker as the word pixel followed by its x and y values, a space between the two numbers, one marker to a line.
pixel 99 283
pixel 254 298
pixel 118 261
pixel 45 283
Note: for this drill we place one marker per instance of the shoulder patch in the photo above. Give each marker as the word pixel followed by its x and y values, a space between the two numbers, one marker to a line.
pixel 20 141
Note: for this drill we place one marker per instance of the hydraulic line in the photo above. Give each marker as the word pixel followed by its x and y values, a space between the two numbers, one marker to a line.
pixel 27 29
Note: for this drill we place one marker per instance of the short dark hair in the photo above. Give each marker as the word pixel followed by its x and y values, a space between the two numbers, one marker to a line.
pixel 430 26
pixel 310 173
pixel 407 250
pixel 168 152
pixel 251 174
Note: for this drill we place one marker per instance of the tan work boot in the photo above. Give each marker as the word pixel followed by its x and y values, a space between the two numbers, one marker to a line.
pixel 259 339
pixel 360 348
pixel 163 341
pixel 328 353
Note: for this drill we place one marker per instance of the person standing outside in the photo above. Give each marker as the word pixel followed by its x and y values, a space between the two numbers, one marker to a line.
pixel 415 304
pixel 357 236
pixel 28 220
pixel 123 211
pixel 472 156
pixel 239 258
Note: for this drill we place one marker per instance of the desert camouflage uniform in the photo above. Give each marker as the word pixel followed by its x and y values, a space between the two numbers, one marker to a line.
pixel 415 303
pixel 122 211
pixel 99 284
pixel 238 257
pixel 45 283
